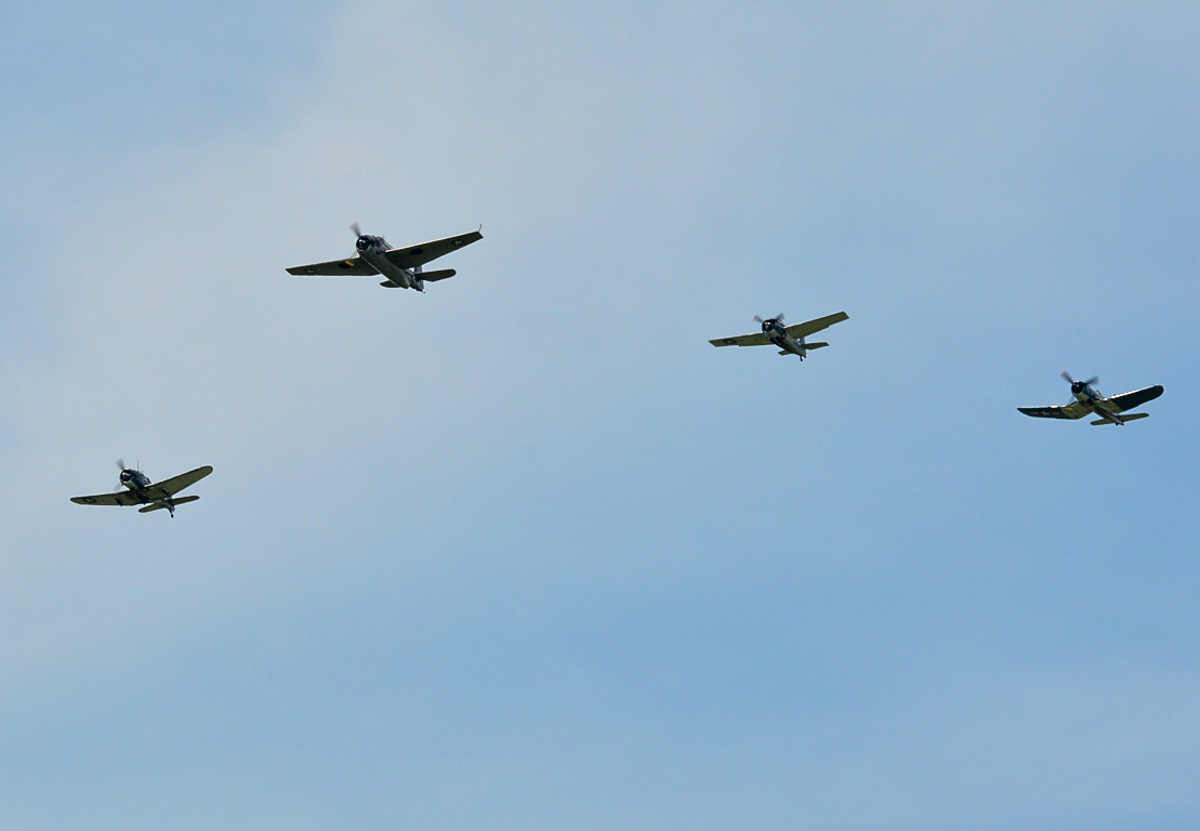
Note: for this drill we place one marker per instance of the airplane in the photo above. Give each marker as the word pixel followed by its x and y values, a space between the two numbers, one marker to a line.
pixel 789 339
pixel 141 491
pixel 401 266
pixel 1087 400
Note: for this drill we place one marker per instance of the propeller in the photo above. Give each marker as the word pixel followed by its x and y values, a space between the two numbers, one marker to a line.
pixel 778 320
pixel 362 241
pixel 1078 386
pixel 1066 375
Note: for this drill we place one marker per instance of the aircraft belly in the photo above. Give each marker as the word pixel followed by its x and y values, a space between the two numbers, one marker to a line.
pixel 385 267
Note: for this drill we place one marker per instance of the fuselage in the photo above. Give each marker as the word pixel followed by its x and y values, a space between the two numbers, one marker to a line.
pixel 1096 402
pixel 135 480
pixel 778 335
pixel 373 250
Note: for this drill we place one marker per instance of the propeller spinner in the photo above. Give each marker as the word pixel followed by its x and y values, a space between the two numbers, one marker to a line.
pixel 125 476
pixel 1078 387
pixel 364 241
pixel 770 323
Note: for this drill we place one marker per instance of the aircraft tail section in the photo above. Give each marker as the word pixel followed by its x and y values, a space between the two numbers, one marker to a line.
pixel 432 276
pixel 1123 418
pixel 818 345
pixel 158 506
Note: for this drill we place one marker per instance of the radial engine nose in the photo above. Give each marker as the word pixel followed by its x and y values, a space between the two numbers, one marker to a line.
pixel 1077 387
pixel 363 243
pixel 126 475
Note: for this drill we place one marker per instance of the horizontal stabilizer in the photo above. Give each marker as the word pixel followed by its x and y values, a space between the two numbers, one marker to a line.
pixel 1123 417
pixel 819 344
pixel 388 284
pixel 158 506
pixel 433 276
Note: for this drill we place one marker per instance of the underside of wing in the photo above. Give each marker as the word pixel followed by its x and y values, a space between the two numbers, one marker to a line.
pixel 755 339
pixel 1129 400
pixel 118 498
pixel 357 267
pixel 808 327
pixel 169 487
pixel 415 255
pixel 1072 411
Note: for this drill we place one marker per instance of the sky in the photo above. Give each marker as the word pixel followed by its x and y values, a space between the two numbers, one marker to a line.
pixel 525 551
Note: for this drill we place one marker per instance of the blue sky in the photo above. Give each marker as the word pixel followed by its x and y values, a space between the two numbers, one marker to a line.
pixel 525 551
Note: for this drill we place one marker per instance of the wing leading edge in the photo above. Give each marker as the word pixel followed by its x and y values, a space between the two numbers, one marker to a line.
pixel 809 327
pixel 169 487
pixel 1129 400
pixel 357 267
pixel 415 255
pixel 755 339
pixel 1072 411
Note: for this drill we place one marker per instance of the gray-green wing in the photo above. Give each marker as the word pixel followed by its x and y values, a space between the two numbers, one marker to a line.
pixel 415 255
pixel 1129 400
pixel 172 486
pixel 755 339
pixel 357 267
pixel 1071 411
pixel 118 498
pixel 808 327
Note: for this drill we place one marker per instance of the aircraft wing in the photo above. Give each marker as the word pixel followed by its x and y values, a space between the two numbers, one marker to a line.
pixel 808 327
pixel 415 255
pixel 122 497
pixel 169 487
pixel 1071 411
pixel 755 339
pixel 357 267
pixel 1129 400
